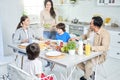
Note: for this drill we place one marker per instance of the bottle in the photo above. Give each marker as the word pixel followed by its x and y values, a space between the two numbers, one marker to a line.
pixel 87 49
pixel 80 47
pixel 62 1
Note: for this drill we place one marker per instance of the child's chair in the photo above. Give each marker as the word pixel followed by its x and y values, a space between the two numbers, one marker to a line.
pixel 15 73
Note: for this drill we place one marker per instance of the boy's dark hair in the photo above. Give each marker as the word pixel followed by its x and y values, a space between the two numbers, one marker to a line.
pixel 98 21
pixel 33 51
pixel 61 26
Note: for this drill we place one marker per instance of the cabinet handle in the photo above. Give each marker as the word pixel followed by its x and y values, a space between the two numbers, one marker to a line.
pixel 118 42
pixel 118 53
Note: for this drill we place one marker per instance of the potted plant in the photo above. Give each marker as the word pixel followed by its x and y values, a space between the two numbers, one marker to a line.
pixel 73 1
pixel 71 47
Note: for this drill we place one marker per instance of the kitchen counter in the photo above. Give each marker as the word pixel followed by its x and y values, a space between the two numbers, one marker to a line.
pixel 77 24
pixel 86 25
pixel 112 28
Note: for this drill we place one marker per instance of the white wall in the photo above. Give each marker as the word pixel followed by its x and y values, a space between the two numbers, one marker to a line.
pixel 10 11
pixel 85 9
pixel 1 40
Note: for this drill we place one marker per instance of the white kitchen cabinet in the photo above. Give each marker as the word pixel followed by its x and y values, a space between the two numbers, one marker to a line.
pixel 1 40
pixel 63 2
pixel 114 50
pixel 108 2
pixel 76 29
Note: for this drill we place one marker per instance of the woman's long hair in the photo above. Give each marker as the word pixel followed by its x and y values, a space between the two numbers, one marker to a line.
pixel 23 18
pixel 52 12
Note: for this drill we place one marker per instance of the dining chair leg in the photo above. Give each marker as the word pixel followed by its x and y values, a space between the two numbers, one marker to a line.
pixel 22 62
pixel 52 66
pixel 16 57
pixel 3 77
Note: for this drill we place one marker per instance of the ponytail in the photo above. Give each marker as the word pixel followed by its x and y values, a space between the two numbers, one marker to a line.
pixel 23 18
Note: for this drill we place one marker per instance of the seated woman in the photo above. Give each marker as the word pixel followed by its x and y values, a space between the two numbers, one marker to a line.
pixel 23 33
pixel 61 33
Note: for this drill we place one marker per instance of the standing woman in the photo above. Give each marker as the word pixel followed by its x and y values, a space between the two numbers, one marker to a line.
pixel 23 34
pixel 48 20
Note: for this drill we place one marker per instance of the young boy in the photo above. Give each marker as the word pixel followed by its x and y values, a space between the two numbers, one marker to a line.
pixel 61 33
pixel 33 65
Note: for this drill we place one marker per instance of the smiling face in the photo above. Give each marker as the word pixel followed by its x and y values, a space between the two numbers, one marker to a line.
pixel 48 5
pixel 26 23
pixel 59 31
pixel 92 24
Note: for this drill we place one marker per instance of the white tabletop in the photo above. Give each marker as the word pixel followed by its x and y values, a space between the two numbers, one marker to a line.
pixel 67 61
pixel 71 60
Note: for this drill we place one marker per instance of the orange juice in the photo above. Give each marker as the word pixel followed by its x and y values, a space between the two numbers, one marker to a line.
pixel 87 49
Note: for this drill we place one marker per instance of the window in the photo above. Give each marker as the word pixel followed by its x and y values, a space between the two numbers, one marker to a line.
pixel 32 8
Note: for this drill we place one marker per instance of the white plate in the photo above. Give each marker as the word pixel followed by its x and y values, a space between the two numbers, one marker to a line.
pixel 53 53
pixel 24 44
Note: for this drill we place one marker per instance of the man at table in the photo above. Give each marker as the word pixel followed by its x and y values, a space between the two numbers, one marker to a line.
pixel 100 40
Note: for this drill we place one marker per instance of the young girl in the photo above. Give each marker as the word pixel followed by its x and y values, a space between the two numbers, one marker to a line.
pixel 61 33
pixel 33 65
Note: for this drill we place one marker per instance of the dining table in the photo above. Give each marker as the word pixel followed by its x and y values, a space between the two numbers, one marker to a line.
pixel 67 61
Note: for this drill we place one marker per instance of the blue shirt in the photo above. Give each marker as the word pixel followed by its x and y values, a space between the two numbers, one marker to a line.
pixel 64 37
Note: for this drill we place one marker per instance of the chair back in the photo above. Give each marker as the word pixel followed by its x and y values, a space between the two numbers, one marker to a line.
pixel 15 73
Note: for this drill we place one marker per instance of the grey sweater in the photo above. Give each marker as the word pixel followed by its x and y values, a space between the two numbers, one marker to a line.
pixel 20 35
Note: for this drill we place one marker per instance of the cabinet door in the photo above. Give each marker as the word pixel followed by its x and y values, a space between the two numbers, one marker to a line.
pixel 108 2
pixel 77 30
pixel 115 38
pixel 114 52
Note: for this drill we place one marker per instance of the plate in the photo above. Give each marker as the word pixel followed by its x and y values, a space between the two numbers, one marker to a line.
pixel 53 53
pixel 24 44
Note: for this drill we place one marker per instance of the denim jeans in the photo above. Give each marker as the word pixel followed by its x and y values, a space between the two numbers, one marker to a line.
pixel 46 34
pixel 49 34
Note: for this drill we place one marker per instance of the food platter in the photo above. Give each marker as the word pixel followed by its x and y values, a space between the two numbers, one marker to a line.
pixel 55 55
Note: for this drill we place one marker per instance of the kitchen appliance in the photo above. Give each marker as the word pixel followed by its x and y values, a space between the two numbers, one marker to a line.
pixel 76 29
pixel 75 21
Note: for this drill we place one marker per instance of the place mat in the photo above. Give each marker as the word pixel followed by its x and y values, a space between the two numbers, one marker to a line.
pixel 22 47
pixel 56 57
